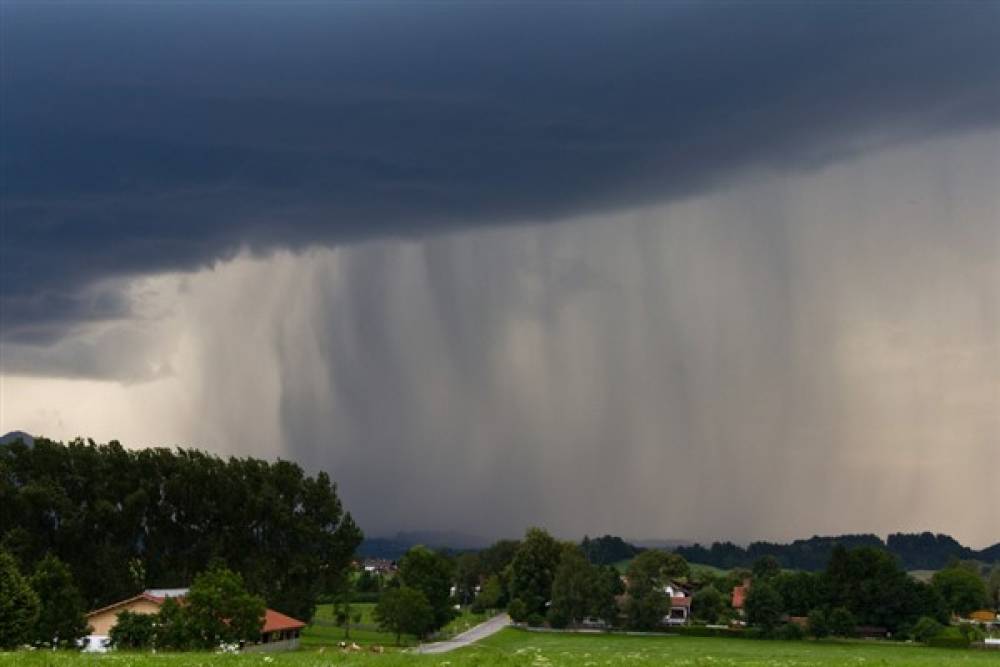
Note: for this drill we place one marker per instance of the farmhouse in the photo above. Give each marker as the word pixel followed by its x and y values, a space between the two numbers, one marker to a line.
pixel 379 566
pixel 984 616
pixel 740 595
pixel 680 604
pixel 279 632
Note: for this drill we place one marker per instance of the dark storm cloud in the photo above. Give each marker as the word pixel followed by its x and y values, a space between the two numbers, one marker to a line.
pixel 144 138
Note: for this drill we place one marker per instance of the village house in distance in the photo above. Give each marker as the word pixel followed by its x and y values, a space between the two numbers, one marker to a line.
pixel 278 633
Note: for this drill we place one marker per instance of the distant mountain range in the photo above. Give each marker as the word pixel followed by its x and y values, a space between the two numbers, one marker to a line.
pixel 14 436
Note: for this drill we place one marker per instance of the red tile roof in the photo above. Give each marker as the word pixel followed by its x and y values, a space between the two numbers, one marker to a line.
pixel 276 621
pixel 122 603
pixel 739 596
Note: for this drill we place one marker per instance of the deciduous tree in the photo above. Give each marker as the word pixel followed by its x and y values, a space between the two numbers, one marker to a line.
pixel 819 623
pixel 489 595
pixel 220 610
pixel 963 591
pixel 133 631
pixel 163 514
pixel 18 604
pixel 533 569
pixel 430 573
pixel 764 606
pixel 708 604
pixel 993 585
pixel 842 622
pixel 654 569
pixel 765 567
pixel 61 619
pixel 404 610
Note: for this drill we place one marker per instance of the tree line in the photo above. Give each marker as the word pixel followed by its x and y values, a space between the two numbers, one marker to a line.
pixel 540 580
pixel 125 520
pixel 915 551
pixel 863 587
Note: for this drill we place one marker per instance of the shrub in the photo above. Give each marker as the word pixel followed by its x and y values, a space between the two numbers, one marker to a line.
pixel 518 610
pixel 842 622
pixel 791 631
pixel 971 632
pixel 172 628
pixel 926 629
pixel 757 632
pixel 645 609
pixel 948 642
pixel 536 620
pixel 819 623
pixel 133 631
pixel 557 618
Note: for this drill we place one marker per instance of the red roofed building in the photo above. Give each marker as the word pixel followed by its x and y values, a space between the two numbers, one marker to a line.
pixel 680 610
pixel 740 595
pixel 279 632
pixel 279 628
pixel 680 604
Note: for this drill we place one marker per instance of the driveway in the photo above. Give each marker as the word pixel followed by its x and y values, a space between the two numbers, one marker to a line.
pixel 472 635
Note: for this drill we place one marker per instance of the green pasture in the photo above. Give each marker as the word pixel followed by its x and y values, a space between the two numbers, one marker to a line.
pixel 325 632
pixel 515 647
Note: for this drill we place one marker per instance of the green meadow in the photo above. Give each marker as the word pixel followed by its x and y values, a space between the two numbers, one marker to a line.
pixel 325 632
pixel 516 647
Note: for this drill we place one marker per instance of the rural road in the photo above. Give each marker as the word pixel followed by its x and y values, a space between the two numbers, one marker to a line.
pixel 481 631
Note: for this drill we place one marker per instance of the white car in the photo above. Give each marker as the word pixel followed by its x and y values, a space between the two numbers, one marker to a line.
pixel 95 644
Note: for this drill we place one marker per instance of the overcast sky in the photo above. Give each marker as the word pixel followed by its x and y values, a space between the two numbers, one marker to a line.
pixel 666 270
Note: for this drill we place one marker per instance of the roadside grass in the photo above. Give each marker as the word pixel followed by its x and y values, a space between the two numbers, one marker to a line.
pixel 516 647
pixel 464 621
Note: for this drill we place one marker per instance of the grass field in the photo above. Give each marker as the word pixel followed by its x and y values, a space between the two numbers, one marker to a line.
pixel 696 568
pixel 324 631
pixel 515 647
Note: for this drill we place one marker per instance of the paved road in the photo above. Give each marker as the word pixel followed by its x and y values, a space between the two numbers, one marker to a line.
pixel 481 631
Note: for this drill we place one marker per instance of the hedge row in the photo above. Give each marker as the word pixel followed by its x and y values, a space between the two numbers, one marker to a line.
pixel 948 642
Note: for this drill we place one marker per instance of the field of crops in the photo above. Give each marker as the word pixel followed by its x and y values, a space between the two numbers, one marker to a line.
pixel 514 647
